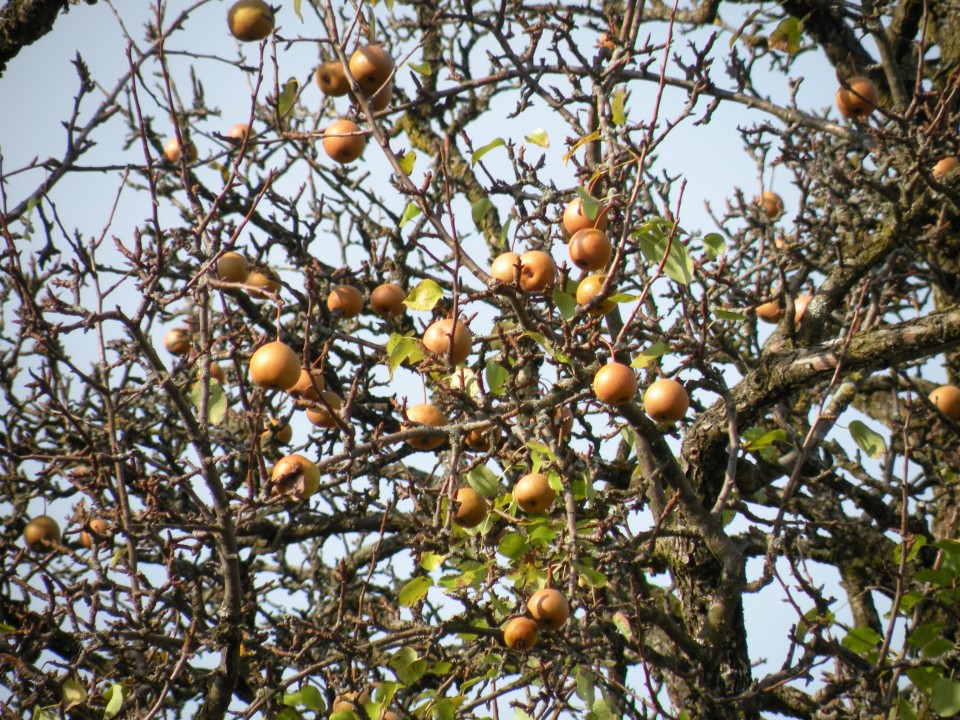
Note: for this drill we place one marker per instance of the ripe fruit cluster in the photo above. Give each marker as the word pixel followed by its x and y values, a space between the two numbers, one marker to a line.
pixel 548 609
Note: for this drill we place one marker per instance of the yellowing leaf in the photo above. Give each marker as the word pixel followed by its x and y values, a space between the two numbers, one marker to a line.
pixel 288 93
pixel 115 701
pixel 619 118
pixel 407 161
pixel 424 296
pixel 479 210
pixel 539 137
pixel 870 442
pixel 477 154
pixel 786 36
pixel 414 591
pixel 422 68
pixel 73 693
pixel 409 213
pixel 595 135
pixel 658 349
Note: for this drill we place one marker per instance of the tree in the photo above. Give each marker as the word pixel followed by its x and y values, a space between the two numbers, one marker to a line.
pixel 207 565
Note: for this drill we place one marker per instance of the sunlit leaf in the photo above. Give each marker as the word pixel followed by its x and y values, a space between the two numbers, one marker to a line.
pixel 422 68
pixel 513 546
pixel 496 376
pixel 479 153
pixel 431 561
pixel 288 94
pixel 115 700
pixel 479 209
pixel 6 629
pixel 870 442
pixel 589 205
pixel 408 666
pixel 73 693
pixel 722 314
pixel 595 135
pixel 296 9
pixel 401 348
pixel 861 639
pixel 414 591
pixel 425 296
pixel 786 36
pixel 539 137
pixel 407 161
pixel 656 242
pixel 308 696
pixel 714 246
pixel 409 213
pixel 650 355
pixel 618 116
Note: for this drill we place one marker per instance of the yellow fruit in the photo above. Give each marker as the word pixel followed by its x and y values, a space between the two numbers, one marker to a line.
pixel 520 633
pixel 386 300
pixel 533 493
pixel 371 66
pixel 481 439
pixel 319 415
pixel 97 529
pixel 275 366
pixel 345 301
pixel 172 151
pixel 504 268
pixel 549 608
pixel 250 20
pixel 343 141
pixel 615 384
pixel 666 400
pixel 177 341
pixel 42 534
pixel 947 400
pixel 232 267
pixel 574 219
pixel 295 476
pixel 590 249
pixel 437 339
pixel 859 100
pixel 588 289
pixel 217 373
pixel 307 385
pixel 425 414
pixel 945 166
pixel 771 203
pixel 331 79
pixel 472 508
pixel 800 306
pixel 771 312
pixel 538 271
pixel 276 432
pixel 261 282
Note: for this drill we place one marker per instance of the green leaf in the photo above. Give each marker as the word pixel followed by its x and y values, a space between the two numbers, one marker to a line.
pixel 422 68
pixel 425 296
pixel 485 149
pixel 505 230
pixel 409 213
pixel 73 693
pixel 765 440
pixel 401 348
pixel 925 633
pixel 721 314
pixel 618 116
pixel 308 696
pixel 484 481
pixel 539 137
pixel 905 711
pixel 622 623
pixel 657 350
pixel 714 246
pixel 415 590
pixel 588 204
pixel 296 9
pixel 870 442
pixel 6 629
pixel 565 302
pixel 916 543
pixel 786 36
pixel 288 94
pixel 115 701
pixel 592 578
pixel 655 242
pixel 407 161
pixel 586 684
pixel 480 208
pixel 860 640
pixel 431 561
pixel 408 666
pixel 216 401
pixel 496 376
pixel 40 713
pixel 936 648
pixel 513 546
pixel 946 697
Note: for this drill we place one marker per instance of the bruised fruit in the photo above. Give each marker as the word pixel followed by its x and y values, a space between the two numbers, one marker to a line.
pixel 295 476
